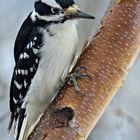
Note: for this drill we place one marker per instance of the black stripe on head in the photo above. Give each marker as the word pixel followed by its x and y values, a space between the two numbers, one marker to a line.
pixel 65 3
pixel 44 9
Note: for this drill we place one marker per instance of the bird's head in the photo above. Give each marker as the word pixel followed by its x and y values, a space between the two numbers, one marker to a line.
pixel 59 10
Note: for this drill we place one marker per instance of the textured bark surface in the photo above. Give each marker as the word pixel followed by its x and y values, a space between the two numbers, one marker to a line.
pixel 108 57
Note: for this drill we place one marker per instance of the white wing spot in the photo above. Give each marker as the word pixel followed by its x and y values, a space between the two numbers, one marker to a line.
pixel 35 51
pixel 19 71
pixel 36 61
pixel 28 46
pixel 21 56
pixel 19 86
pixel 25 55
pixel 31 44
pixel 31 69
pixel 22 72
pixel 26 72
pixel 15 101
pixel 20 96
pixel 35 38
pixel 25 83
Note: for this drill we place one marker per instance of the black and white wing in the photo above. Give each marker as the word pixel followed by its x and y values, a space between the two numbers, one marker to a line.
pixel 27 46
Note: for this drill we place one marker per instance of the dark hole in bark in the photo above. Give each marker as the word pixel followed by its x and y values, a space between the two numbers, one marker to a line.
pixel 62 116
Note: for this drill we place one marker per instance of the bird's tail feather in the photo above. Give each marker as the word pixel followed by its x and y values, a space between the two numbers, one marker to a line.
pixel 11 122
pixel 31 118
pixel 22 131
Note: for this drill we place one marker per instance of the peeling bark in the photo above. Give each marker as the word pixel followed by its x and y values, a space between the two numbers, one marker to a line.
pixel 108 57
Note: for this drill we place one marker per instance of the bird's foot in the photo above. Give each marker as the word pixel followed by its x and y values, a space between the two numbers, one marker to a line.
pixel 72 78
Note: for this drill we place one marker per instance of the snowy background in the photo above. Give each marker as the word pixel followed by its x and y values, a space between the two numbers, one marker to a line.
pixel 121 119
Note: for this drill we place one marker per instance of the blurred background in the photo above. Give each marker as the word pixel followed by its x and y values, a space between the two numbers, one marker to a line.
pixel 121 119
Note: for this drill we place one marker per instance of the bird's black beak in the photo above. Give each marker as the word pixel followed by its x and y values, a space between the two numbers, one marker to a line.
pixel 80 14
pixel 75 13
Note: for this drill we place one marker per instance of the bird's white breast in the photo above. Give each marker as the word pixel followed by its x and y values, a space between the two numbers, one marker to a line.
pixel 57 55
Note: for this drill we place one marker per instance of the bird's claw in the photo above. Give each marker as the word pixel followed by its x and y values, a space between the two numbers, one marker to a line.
pixel 72 78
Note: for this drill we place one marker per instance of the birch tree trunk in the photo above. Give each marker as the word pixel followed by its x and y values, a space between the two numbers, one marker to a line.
pixel 108 57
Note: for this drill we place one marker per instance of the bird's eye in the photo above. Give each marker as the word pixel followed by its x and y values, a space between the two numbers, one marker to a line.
pixel 55 10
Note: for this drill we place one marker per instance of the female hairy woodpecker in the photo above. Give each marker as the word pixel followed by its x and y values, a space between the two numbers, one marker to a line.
pixel 45 52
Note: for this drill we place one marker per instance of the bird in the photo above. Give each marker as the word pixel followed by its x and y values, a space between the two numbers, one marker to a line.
pixel 45 51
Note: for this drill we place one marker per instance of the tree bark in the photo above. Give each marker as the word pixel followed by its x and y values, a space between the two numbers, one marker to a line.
pixel 108 57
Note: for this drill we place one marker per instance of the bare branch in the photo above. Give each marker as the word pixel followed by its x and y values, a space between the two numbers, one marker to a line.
pixel 108 58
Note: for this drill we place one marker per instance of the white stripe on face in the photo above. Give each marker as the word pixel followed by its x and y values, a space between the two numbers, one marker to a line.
pixel 51 3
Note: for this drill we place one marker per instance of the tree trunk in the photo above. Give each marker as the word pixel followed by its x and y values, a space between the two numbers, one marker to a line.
pixel 108 57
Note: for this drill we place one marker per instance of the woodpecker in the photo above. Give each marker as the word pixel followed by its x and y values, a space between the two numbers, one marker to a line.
pixel 45 52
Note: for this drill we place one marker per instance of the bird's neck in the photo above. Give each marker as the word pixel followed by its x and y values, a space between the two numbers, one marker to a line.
pixel 62 27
